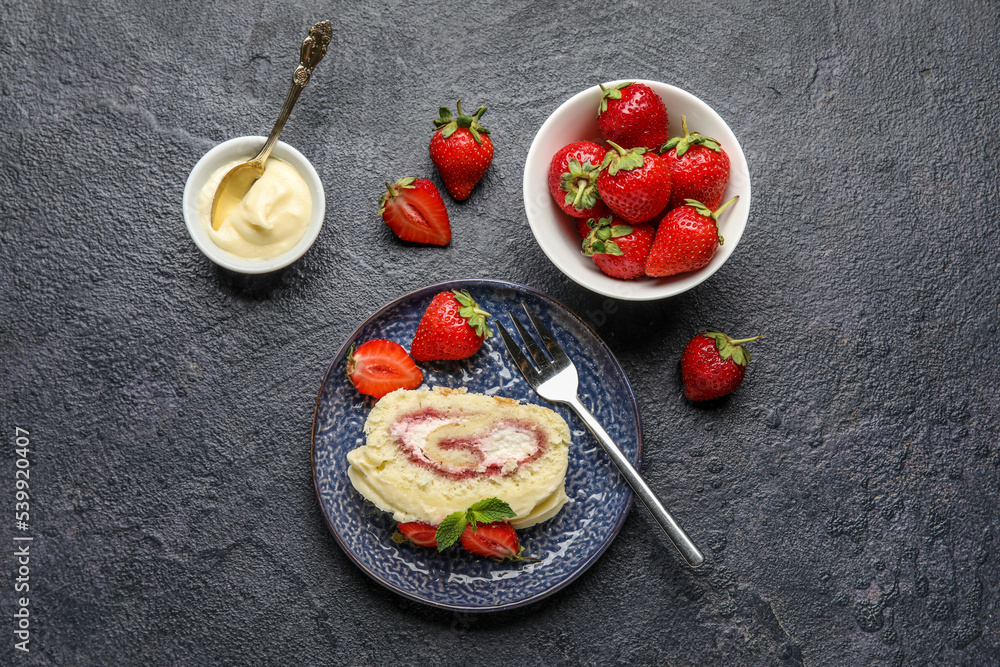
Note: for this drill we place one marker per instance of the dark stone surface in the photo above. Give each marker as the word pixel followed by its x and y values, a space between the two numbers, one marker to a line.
pixel 847 494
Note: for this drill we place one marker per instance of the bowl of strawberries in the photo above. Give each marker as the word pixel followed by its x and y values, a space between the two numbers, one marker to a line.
pixel 636 190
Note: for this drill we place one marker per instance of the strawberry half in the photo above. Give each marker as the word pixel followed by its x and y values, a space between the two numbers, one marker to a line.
pixel 619 250
pixel 461 150
pixel 492 540
pixel 452 327
pixel 699 168
pixel 686 239
pixel 573 175
pixel 417 533
pixel 634 183
pixel 414 211
pixel 713 365
pixel 381 366
pixel 631 115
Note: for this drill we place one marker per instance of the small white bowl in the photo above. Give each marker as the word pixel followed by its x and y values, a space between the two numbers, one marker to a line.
pixel 244 148
pixel 555 232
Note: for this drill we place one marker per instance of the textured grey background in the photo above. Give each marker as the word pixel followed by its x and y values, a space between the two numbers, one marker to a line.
pixel 847 494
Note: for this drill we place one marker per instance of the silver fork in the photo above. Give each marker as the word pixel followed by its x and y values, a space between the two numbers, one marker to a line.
pixel 556 380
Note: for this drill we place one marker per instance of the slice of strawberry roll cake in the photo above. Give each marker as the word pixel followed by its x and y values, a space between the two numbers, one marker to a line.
pixel 431 452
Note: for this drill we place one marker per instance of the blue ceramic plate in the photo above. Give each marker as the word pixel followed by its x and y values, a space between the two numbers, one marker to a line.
pixel 567 544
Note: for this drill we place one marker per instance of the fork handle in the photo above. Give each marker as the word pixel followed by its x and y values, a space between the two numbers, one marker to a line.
pixel 676 534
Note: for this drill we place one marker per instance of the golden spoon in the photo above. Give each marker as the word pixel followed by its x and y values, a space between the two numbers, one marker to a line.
pixel 237 181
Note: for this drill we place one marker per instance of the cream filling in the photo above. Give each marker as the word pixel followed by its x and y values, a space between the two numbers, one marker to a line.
pixel 453 444
pixel 270 219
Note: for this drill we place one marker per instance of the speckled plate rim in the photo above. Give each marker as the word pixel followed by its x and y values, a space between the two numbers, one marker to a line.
pixel 493 284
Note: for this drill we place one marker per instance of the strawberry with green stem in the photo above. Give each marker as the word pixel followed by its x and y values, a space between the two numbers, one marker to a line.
pixel 699 168
pixel 634 183
pixel 461 149
pixel 573 175
pixel 686 239
pixel 619 250
pixel 632 114
pixel 713 365
pixel 452 327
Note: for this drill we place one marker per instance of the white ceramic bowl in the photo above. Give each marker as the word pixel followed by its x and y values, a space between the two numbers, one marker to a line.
pixel 575 120
pixel 244 148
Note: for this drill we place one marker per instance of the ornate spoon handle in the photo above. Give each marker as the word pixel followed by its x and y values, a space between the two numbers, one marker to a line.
pixel 312 51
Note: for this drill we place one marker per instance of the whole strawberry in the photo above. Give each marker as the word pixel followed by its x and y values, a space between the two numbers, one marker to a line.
pixel 699 168
pixel 632 114
pixel 713 365
pixel 573 179
pixel 414 211
pixel 634 183
pixel 619 250
pixel 686 239
pixel 461 150
pixel 452 327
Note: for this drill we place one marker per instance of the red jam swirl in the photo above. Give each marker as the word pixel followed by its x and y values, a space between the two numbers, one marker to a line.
pixel 476 447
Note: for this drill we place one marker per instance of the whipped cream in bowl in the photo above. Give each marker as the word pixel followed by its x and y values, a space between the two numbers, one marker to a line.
pixel 278 219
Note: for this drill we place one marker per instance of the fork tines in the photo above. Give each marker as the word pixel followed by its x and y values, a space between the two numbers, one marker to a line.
pixel 541 360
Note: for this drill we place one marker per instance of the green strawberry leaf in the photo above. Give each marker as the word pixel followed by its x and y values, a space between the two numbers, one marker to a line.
pixel 707 142
pixel 449 124
pixel 701 208
pixel 729 348
pixel 611 94
pixel 599 242
pixel 672 143
pixel 471 311
pixel 682 144
pixel 739 356
pixel 621 159
pixel 611 248
pixel 450 530
pixel 580 184
pixel 592 246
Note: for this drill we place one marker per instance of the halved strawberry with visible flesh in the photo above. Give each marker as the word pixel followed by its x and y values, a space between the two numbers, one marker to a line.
pixel 417 533
pixel 414 210
pixel 492 540
pixel 381 366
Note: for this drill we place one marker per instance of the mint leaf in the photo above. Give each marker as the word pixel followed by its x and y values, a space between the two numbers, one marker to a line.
pixel 489 510
pixel 450 530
